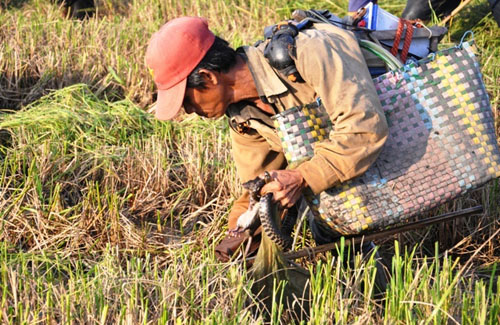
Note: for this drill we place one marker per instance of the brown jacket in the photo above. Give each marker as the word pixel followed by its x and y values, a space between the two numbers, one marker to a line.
pixel 333 68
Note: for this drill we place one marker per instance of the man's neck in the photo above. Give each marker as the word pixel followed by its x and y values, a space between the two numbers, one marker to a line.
pixel 243 83
pixel 244 86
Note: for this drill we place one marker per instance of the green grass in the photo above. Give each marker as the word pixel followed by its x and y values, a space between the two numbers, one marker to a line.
pixel 110 216
pixel 112 288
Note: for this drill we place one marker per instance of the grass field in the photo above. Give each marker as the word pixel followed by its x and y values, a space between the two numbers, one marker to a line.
pixel 109 216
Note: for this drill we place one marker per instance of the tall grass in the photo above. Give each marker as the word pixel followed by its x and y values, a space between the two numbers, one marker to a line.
pixel 110 216
pixel 41 51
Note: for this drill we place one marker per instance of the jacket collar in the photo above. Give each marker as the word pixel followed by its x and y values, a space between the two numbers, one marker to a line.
pixel 266 80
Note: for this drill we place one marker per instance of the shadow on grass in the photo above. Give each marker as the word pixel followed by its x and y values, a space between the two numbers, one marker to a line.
pixel 19 92
pixel 461 236
pixel 12 4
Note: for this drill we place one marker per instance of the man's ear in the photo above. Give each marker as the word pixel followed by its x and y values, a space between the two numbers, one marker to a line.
pixel 210 77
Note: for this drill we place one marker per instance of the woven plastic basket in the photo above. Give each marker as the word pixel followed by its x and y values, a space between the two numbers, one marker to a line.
pixel 441 144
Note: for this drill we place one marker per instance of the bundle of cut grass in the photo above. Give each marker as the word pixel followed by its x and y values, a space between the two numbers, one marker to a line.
pixel 279 284
pixel 74 114
pixel 78 173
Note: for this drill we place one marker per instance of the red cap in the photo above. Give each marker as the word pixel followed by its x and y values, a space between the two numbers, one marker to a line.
pixel 173 52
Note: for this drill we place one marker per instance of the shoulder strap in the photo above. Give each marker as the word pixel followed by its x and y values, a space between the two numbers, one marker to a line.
pixel 240 113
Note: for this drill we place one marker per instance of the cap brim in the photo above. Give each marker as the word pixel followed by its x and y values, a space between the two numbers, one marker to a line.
pixel 169 101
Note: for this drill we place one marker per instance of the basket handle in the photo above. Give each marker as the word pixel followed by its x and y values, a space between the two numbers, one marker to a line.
pixel 390 60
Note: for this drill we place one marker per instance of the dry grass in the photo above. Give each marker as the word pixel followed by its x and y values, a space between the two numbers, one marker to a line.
pixel 94 173
pixel 40 51
pixel 109 216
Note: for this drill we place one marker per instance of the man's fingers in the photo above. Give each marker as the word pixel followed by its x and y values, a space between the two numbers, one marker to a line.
pixel 279 196
pixel 286 198
pixel 273 186
pixel 290 198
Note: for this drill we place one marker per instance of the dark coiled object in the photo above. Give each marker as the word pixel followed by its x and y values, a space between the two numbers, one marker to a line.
pixel 267 218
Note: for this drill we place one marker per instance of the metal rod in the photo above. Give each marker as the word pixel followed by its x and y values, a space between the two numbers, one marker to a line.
pixel 310 251
pixel 454 12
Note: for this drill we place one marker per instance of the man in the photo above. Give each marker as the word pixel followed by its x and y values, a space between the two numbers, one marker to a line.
pixel 415 9
pixel 198 71
pixel 423 9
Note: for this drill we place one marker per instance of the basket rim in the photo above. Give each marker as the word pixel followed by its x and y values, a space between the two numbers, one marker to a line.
pixel 317 103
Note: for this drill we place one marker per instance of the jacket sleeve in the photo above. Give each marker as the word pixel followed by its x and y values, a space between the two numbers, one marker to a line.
pixel 252 156
pixel 335 68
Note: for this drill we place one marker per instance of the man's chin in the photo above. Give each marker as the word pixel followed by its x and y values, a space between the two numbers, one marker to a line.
pixel 215 117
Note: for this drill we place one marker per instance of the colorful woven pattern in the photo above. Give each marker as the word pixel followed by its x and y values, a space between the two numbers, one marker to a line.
pixel 441 144
pixel 299 128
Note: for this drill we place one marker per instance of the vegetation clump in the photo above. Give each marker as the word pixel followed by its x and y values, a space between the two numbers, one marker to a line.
pixel 110 216
pixel 97 173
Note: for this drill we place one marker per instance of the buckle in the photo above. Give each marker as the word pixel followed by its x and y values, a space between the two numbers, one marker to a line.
pixel 242 127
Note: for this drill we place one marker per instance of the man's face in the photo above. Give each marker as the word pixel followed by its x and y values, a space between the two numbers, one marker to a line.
pixel 208 102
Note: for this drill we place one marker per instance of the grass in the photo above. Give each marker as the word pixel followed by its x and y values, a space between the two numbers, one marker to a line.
pixel 109 216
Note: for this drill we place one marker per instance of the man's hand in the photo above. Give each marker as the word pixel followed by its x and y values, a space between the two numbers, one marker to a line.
pixel 286 185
